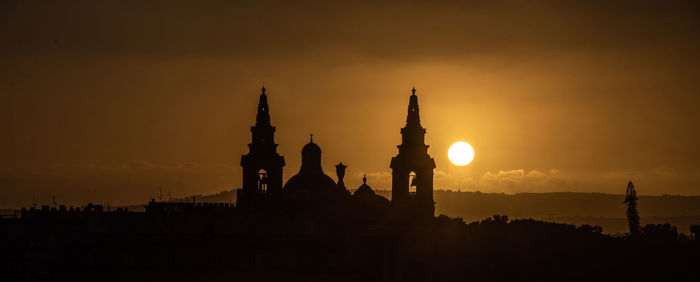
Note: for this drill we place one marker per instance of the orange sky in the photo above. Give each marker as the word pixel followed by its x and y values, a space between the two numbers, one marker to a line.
pixel 108 101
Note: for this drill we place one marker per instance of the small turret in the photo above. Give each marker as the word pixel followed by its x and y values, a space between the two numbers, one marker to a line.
pixel 340 172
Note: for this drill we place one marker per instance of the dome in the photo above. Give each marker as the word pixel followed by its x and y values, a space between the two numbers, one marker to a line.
pixel 311 158
pixel 311 147
pixel 365 195
pixel 312 182
pixel 313 189
pixel 364 190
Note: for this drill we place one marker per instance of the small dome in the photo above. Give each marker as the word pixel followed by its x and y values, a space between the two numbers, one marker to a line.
pixel 364 190
pixel 367 198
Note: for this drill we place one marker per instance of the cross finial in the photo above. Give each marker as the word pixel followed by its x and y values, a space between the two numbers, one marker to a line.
pixel 413 91
pixel 263 89
pixel 311 136
pixel 364 179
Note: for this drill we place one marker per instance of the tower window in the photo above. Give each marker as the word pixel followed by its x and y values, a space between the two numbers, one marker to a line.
pixel 412 183
pixel 262 180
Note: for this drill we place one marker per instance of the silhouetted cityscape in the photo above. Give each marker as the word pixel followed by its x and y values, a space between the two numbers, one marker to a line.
pixel 312 228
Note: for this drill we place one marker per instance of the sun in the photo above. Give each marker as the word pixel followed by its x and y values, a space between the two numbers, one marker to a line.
pixel 461 153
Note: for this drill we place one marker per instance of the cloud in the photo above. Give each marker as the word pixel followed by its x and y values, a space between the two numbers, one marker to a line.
pixel 664 171
pixel 514 176
pixel 377 180
pixel 518 180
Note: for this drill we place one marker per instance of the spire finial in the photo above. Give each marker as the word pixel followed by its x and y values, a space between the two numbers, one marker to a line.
pixel 263 88
pixel 311 137
pixel 413 91
pixel 364 179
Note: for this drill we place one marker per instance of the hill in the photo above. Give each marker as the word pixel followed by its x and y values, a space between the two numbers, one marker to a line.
pixel 606 210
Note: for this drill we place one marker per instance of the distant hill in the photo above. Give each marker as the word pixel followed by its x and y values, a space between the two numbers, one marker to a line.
pixel 226 196
pixel 606 210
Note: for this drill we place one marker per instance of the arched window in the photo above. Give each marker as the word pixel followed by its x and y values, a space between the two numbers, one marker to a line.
pixel 262 180
pixel 412 183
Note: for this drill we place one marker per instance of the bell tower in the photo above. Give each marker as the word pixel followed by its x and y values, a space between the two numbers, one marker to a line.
pixel 262 166
pixel 413 158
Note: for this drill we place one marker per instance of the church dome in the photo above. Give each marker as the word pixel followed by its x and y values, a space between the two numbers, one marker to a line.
pixel 311 158
pixel 364 191
pixel 311 147
pixel 311 183
pixel 368 198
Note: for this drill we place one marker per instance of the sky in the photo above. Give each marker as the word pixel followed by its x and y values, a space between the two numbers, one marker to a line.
pixel 110 101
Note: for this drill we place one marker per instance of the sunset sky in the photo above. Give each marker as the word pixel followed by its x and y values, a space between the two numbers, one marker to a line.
pixel 105 101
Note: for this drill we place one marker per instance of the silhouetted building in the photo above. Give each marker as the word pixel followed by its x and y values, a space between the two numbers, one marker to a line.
pixel 365 197
pixel 262 166
pixel 311 186
pixel 413 158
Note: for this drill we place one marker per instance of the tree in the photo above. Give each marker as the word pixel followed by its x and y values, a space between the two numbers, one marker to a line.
pixel 694 232
pixel 632 212
pixel 660 232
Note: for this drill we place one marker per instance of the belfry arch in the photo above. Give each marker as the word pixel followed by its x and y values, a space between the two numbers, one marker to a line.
pixel 262 181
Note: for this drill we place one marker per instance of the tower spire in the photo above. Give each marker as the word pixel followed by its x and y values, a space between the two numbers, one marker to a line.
pixel 413 118
pixel 263 117
pixel 262 159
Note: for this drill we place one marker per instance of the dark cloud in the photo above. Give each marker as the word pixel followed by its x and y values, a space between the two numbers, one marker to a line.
pixel 378 29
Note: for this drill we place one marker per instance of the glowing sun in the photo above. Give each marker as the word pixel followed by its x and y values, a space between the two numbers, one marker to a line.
pixel 461 153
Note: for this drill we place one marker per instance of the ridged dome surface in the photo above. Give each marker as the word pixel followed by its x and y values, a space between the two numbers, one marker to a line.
pixel 311 147
pixel 312 182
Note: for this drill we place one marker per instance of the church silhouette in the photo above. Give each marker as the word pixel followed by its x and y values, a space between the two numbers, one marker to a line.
pixel 312 189
pixel 311 228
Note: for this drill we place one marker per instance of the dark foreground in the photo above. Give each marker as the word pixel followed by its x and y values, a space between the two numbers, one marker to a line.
pixel 216 243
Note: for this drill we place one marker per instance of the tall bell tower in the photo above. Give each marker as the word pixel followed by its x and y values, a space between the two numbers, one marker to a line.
pixel 262 166
pixel 413 158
